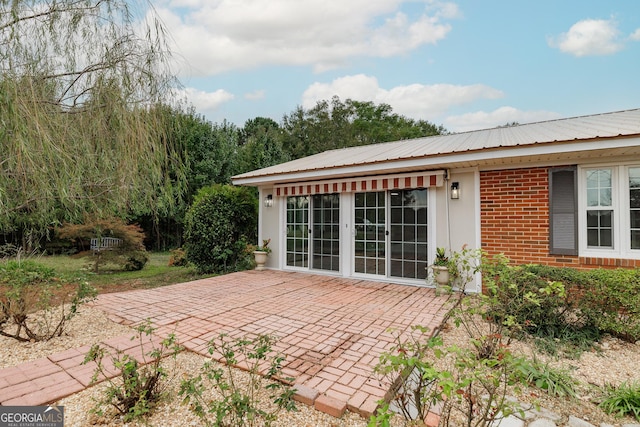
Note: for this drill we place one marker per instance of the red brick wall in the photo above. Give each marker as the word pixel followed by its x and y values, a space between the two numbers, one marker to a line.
pixel 514 206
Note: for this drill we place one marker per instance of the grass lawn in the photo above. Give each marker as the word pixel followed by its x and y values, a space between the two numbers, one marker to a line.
pixel 155 273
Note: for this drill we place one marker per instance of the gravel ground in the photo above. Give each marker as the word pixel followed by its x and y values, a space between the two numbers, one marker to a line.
pixel 88 327
pixel 615 363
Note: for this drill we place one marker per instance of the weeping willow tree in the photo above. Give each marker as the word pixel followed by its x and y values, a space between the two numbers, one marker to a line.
pixel 84 89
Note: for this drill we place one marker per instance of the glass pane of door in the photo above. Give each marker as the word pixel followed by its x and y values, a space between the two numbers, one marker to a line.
pixel 408 240
pixel 298 231
pixel 326 232
pixel 370 241
pixel 634 206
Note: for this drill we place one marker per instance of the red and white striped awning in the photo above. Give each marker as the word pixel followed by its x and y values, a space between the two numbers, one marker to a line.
pixel 370 183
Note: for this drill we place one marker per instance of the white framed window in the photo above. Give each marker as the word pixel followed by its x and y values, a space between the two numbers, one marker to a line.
pixel 599 209
pixel 609 216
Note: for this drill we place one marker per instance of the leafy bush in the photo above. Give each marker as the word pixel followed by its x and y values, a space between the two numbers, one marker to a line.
pixel 622 400
pixel 239 404
pixel 525 300
pixel 130 254
pixel 140 383
pixel 32 305
pixel 218 226
pixel 531 303
pixel 607 299
pixel 612 302
pixel 135 261
pixel 178 258
pixel 472 388
pixel 411 374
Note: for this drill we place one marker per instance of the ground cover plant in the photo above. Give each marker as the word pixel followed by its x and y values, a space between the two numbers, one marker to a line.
pixel 622 400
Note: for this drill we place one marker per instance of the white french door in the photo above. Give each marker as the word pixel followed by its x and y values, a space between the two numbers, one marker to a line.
pixel 389 237
pixel 391 233
pixel 313 232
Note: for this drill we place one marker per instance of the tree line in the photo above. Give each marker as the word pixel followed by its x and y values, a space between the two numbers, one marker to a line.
pixel 214 152
pixel 91 125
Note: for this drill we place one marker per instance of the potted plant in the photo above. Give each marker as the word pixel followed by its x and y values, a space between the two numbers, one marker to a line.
pixel 441 267
pixel 260 254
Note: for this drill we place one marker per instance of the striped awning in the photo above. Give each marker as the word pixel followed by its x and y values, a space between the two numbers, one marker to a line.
pixel 360 184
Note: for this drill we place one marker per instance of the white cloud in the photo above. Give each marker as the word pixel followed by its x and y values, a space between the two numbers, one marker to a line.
pixel 206 101
pixel 635 36
pixel 416 100
pixel 218 36
pixel 498 117
pixel 589 37
pixel 255 95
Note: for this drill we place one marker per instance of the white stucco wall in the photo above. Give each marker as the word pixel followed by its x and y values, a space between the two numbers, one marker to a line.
pixel 270 227
pixel 457 222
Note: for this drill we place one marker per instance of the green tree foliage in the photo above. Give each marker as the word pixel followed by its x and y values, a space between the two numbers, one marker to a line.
pixel 218 227
pixel 336 124
pixel 208 156
pixel 260 145
pixel 211 150
pixel 79 80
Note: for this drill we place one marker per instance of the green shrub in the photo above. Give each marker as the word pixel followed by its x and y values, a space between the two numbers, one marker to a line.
pixel 141 383
pixel 178 258
pixel 535 304
pixel 33 304
pixel 523 300
pixel 218 226
pixel 239 405
pixel 135 260
pixel 472 388
pixel 612 302
pixel 622 400
pixel 607 299
pixel 411 373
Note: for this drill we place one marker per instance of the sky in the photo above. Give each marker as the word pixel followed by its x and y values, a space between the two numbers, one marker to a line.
pixel 466 64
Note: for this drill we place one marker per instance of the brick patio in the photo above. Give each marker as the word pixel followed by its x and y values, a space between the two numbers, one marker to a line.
pixel 332 331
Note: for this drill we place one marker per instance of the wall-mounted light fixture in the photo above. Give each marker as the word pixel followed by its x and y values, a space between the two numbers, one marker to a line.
pixel 455 190
pixel 268 201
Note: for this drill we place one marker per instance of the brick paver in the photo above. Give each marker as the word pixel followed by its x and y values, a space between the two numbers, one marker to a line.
pixel 332 331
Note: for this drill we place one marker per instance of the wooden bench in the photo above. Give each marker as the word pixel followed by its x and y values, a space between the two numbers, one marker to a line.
pixel 104 243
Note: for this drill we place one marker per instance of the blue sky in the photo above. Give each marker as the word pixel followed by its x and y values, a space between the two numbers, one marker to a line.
pixel 466 64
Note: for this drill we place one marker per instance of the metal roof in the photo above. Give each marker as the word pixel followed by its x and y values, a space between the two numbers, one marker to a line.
pixel 444 149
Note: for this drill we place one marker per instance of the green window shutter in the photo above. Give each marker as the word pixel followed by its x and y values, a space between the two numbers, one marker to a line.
pixel 563 211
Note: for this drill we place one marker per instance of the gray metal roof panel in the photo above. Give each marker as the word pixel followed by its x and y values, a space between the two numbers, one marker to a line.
pixel 607 125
